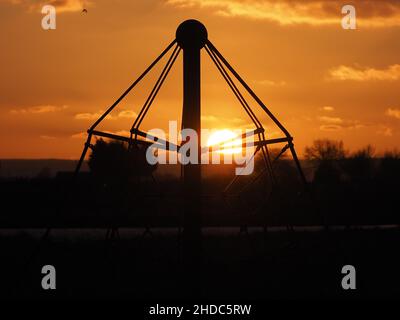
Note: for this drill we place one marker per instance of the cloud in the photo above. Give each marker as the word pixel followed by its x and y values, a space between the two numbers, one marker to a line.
pixel 127 114
pixel 369 13
pixel 124 133
pixel 38 109
pixel 270 83
pixel 328 108
pixel 333 120
pixel 84 135
pixel 393 112
pixel 79 135
pixel 209 118
pixel 337 123
pixel 95 115
pixel 60 5
pixel 330 127
pixel 236 120
pixel 385 131
pixel 222 120
pixel 342 73
pixel 88 116
pixel 212 122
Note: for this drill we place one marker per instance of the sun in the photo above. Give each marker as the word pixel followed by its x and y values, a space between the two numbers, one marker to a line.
pixel 226 140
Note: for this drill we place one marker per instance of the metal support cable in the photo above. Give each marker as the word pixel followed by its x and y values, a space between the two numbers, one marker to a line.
pixel 261 173
pixel 139 117
pixel 236 91
pixel 267 158
pixel 237 176
pixel 233 87
pixel 267 161
pixel 132 86
pixel 263 106
pixel 158 89
pixel 244 104
pixel 249 90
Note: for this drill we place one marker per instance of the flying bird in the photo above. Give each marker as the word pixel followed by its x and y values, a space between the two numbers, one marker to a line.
pixel 84 11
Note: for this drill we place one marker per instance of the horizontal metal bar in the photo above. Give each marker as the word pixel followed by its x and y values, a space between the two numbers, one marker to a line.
pixel 117 137
pixel 241 137
pixel 246 144
pixel 167 144
pixel 271 141
pixel 244 135
pixel 126 139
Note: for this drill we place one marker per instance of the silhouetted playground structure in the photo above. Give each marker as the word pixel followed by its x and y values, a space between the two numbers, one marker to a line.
pixel 191 38
pixel 82 200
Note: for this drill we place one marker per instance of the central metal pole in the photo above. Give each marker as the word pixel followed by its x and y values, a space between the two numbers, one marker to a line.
pixel 191 36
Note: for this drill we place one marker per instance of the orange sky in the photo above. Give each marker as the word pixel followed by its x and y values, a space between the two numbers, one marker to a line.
pixel 317 78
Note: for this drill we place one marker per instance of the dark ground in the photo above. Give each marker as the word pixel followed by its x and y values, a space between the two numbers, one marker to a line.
pixel 272 265
pixel 280 265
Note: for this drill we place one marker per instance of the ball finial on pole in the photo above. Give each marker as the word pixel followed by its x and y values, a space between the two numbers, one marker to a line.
pixel 191 33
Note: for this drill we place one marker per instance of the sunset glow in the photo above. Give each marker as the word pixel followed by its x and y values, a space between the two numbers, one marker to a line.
pixel 318 88
pixel 165 152
pixel 225 139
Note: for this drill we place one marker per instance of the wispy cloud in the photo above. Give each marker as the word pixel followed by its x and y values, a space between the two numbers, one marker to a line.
pixel 270 83
pixel 222 120
pixel 371 13
pixel 385 130
pixel 95 115
pixel 127 114
pixel 342 72
pixel 88 116
pixel 60 5
pixel 209 118
pixel 335 120
pixel 393 112
pixel 124 133
pixel 330 127
pixel 38 109
pixel 79 135
pixel 83 135
pixel 328 108
pixel 337 123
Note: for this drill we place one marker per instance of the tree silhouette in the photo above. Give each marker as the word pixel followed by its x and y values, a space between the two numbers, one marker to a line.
pixel 325 150
pixel 389 169
pixel 359 166
pixel 115 164
pixel 328 155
